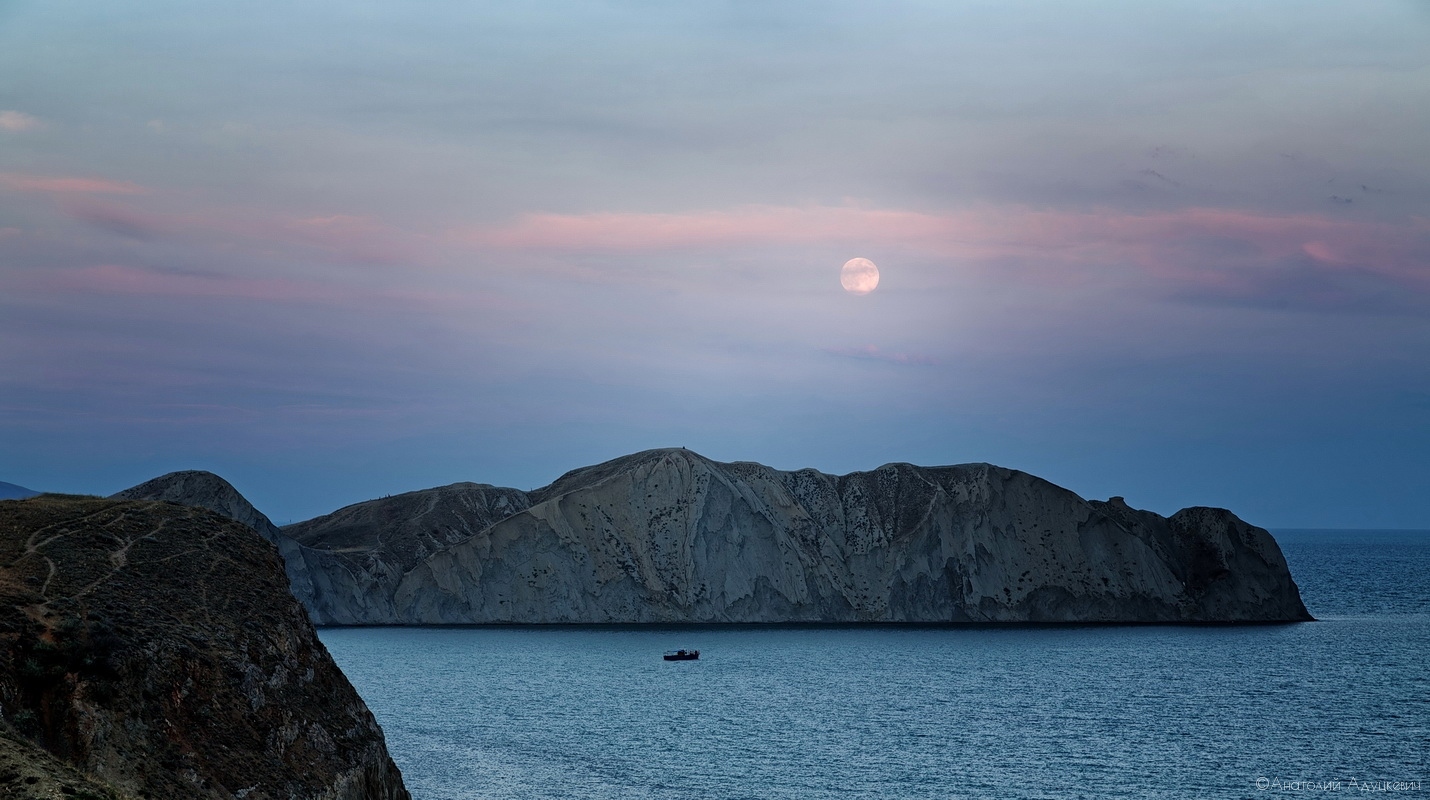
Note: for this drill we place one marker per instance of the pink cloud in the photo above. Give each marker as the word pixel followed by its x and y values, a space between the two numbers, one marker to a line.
pixel 1186 252
pixel 17 121
pixel 1320 251
pixel 44 183
pixel 349 237
pixel 1054 245
pixel 985 230
pixel 750 225
pixel 344 222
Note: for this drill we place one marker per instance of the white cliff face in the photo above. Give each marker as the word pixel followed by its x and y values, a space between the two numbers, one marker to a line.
pixel 670 536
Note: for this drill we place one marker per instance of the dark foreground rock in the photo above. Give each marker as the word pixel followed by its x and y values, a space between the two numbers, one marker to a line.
pixel 153 650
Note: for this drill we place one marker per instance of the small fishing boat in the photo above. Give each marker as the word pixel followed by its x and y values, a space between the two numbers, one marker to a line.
pixel 681 655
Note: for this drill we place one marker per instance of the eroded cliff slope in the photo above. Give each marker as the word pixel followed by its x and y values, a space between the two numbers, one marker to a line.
pixel 670 536
pixel 156 650
pixel 355 557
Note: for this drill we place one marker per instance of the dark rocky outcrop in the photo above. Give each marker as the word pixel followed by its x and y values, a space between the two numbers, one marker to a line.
pixel 152 650
pixel 207 490
pixel 29 773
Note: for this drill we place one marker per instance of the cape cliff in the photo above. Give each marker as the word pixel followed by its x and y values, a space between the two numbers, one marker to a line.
pixel 668 536
pixel 149 650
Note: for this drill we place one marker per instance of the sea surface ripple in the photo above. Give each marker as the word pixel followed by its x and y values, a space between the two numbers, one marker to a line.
pixel 926 712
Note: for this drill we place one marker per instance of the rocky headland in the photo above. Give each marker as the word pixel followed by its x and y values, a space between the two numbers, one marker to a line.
pixel 206 490
pixel 668 536
pixel 152 650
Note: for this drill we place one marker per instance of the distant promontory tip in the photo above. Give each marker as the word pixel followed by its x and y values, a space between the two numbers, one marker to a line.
pixel 9 491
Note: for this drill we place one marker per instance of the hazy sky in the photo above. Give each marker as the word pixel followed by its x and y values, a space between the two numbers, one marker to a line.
pixel 1174 251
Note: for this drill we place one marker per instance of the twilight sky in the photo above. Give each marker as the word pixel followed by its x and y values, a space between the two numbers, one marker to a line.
pixel 1174 251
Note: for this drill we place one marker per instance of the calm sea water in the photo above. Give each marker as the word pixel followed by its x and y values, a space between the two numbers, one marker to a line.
pixel 859 712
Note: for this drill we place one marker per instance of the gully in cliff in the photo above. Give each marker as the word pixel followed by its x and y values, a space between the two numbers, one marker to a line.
pixel 681 655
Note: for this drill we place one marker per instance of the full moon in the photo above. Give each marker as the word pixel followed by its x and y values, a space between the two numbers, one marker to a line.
pixel 859 276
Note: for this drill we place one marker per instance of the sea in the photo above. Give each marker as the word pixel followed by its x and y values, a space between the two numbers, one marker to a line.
pixel 1336 707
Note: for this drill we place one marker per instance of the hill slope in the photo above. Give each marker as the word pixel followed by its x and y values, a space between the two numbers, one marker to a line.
pixel 155 648
pixel 9 491
pixel 201 489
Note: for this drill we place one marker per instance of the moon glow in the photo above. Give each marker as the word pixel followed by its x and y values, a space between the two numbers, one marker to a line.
pixel 859 276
